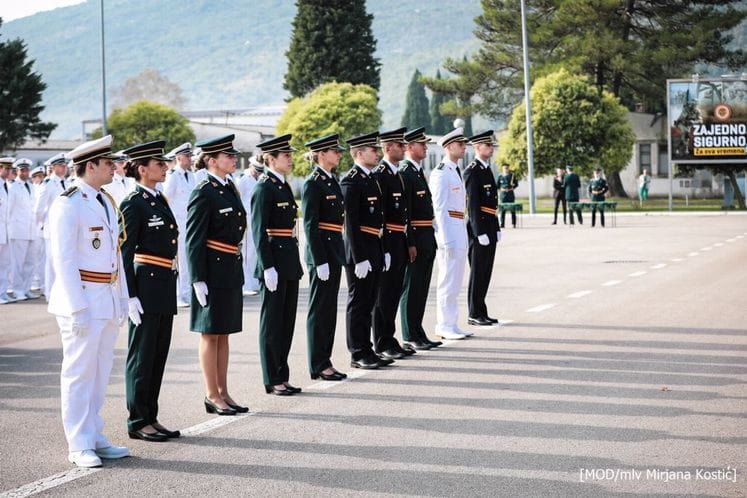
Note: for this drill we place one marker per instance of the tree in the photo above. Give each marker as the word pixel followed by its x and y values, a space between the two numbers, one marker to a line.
pixel 331 41
pixel 440 124
pixel 149 85
pixel 146 121
pixel 416 105
pixel 574 123
pixel 627 47
pixel 21 91
pixel 341 108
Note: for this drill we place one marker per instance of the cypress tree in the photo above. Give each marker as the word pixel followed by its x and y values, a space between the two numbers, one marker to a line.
pixel 331 41
pixel 440 124
pixel 416 106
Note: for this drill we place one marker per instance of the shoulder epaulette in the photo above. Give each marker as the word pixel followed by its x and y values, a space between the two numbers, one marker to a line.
pixel 202 183
pixel 47 180
pixel 315 175
pixel 353 173
pixel 441 166
pixel 69 192
pixel 131 195
pixel 472 164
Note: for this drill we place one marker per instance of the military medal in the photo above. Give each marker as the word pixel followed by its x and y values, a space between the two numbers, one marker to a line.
pixel 371 209
pixel 96 242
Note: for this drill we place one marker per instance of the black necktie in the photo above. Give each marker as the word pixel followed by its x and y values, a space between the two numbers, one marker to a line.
pixel 459 172
pixel 101 201
pixel 186 177
pixel 5 186
pixel 232 188
pixel 28 189
pixel 62 182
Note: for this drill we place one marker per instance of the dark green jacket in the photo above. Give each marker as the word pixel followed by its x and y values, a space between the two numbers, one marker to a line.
pixel 597 189
pixel 363 208
pixel 215 213
pixel 322 202
pixel 482 200
pixel 419 205
pixel 395 212
pixel 571 183
pixel 274 208
pixel 507 184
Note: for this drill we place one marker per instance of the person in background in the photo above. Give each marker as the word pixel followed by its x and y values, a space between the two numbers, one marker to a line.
pixel 22 231
pixel 572 184
pixel 643 182
pixel 246 185
pixel 597 188
pixel 5 164
pixel 558 193
pixel 121 185
pixel 507 182
pixel 37 246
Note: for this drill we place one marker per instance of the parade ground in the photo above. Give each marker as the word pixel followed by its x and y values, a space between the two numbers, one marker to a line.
pixel 620 368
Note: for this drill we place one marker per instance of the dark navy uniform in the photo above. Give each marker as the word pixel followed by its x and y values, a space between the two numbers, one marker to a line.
pixel 324 217
pixel 364 224
pixel 482 204
pixel 597 188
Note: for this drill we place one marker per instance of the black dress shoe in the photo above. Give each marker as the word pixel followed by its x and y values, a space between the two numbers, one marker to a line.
pixel 419 345
pixel 406 350
pixel 294 390
pixel 385 362
pixel 491 320
pixel 278 392
pixel 163 430
pixel 153 437
pixel 332 376
pixel 433 344
pixel 366 363
pixel 211 407
pixel 479 321
pixel 238 408
pixel 391 354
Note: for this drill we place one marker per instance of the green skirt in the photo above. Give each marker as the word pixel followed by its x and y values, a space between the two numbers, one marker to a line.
pixel 222 315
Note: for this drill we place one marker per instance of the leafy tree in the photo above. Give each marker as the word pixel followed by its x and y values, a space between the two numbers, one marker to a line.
pixel 573 123
pixel 145 121
pixel 416 106
pixel 149 85
pixel 21 91
pixel 341 108
pixel 627 47
pixel 331 41
pixel 440 124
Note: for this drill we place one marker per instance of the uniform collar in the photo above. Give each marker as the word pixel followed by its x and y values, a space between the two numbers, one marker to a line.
pixel 482 163
pixel 324 171
pixel 449 163
pixel 86 188
pixel 150 191
pixel 277 175
pixel 220 180
pixel 363 169
pixel 413 161
pixel 391 166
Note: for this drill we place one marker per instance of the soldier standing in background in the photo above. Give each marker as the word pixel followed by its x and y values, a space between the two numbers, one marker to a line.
pixel 21 231
pixel 571 184
pixel 597 188
pixel 246 185
pixel 558 193
pixel 121 185
pixel 54 185
pixel 507 182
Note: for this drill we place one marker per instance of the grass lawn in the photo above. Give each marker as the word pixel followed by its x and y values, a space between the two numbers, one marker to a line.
pixel 545 205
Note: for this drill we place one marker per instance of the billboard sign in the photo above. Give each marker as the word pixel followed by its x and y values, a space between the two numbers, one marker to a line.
pixel 707 120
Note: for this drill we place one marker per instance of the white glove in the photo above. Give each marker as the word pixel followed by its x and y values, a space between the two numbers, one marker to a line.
pixel 81 322
pixel 134 310
pixel 498 236
pixel 387 261
pixel 201 292
pixel 483 239
pixel 271 279
pixel 362 269
pixel 322 271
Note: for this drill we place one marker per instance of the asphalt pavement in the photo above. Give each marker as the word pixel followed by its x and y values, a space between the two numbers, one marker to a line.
pixel 619 368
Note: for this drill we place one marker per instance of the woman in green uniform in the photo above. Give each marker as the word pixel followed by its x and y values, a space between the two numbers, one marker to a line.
pixel 148 254
pixel 215 227
pixel 274 212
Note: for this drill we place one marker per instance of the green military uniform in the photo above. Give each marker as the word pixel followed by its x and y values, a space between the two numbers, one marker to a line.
pixel 421 236
pixel 215 228
pixel 148 251
pixel 597 188
pixel 571 184
pixel 323 220
pixel 506 185
pixel 274 212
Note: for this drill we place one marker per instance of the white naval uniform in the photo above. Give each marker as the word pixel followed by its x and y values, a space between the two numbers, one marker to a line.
pixel 5 261
pixel 21 231
pixel 36 248
pixel 51 188
pixel 120 187
pixel 177 188
pixel 246 186
pixel 83 238
pixel 200 174
pixel 451 236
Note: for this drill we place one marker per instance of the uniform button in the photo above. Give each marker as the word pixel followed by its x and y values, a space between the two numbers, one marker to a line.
pixel 217 259
pixel 173 241
pixel 151 274
pixel 171 226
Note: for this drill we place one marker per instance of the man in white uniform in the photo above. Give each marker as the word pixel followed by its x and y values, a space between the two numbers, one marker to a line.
pixel 88 298
pixel 36 248
pixel 21 228
pixel 5 164
pixel 179 183
pixel 121 185
pixel 52 187
pixel 246 185
pixel 449 203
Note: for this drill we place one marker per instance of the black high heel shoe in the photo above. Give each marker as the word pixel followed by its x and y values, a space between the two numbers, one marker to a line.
pixel 211 407
pixel 278 392
pixel 238 408
pixel 294 390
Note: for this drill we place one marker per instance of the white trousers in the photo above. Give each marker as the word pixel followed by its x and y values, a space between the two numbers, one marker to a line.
pixel 249 253
pixel 48 268
pixel 451 265
pixel 5 266
pixel 22 265
pixel 37 250
pixel 183 283
pixel 86 365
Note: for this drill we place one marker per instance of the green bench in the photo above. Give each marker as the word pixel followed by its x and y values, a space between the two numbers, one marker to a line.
pixel 610 206
pixel 513 207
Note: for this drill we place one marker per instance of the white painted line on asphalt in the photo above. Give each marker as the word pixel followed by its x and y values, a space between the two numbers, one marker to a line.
pixel 730 240
pixel 505 322
pixel 718 244
pixel 659 266
pixel 324 385
pixel 610 283
pixel 578 294
pixel 740 236
pixel 541 307
pixel 639 273
pixel 694 253
pixel 214 423
pixel 48 482
pixel 677 260
pixel 707 248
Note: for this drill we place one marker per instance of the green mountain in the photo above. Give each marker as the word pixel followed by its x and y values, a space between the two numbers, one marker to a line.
pixel 225 54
